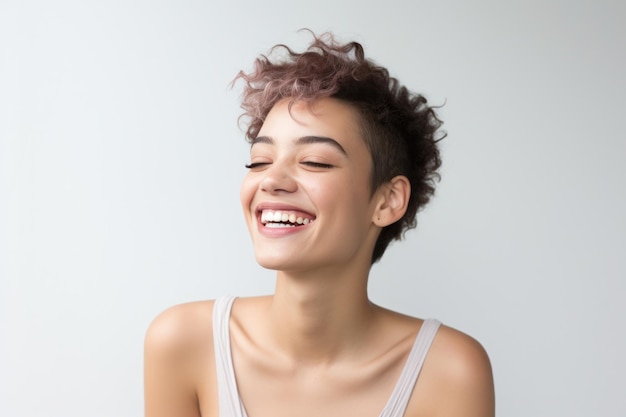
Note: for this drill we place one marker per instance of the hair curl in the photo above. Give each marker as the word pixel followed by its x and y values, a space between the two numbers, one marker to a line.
pixel 399 127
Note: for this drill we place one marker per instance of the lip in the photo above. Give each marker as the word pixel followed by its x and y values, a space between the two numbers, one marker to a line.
pixel 283 231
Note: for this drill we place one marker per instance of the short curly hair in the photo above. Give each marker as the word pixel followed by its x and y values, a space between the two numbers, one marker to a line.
pixel 400 129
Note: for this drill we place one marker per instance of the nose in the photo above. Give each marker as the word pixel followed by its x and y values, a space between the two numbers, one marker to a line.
pixel 277 178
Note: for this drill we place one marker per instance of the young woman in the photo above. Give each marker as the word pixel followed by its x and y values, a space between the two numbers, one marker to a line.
pixel 341 159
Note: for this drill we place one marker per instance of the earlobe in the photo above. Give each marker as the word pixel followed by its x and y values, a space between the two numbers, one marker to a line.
pixel 393 201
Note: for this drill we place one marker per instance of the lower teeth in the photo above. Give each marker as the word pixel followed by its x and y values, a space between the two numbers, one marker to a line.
pixel 278 225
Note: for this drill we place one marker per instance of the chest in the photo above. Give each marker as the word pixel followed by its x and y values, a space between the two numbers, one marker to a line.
pixel 255 381
pixel 268 390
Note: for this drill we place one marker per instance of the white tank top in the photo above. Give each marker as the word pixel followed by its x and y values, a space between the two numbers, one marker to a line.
pixel 230 405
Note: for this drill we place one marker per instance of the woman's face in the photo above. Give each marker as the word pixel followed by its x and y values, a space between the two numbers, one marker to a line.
pixel 307 197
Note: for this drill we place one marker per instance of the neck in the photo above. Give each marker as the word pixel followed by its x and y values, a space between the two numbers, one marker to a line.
pixel 317 319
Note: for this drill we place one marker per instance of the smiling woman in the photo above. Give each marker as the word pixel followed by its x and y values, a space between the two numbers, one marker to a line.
pixel 341 159
pixel 311 159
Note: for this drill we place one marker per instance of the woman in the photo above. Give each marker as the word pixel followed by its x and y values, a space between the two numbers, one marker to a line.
pixel 341 159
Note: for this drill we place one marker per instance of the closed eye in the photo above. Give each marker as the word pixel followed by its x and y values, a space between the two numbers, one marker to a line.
pixel 317 164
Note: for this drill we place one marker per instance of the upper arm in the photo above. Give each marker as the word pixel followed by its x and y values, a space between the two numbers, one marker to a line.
pixel 458 380
pixel 174 349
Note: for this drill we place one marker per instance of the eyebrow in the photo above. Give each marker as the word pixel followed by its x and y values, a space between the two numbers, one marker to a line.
pixel 304 140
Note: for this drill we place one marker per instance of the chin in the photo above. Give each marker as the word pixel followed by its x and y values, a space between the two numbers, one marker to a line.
pixel 274 263
pixel 283 262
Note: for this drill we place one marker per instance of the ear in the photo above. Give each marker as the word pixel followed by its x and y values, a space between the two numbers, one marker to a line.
pixel 393 199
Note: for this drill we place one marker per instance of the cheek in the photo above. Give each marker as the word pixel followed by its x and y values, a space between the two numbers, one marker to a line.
pixel 344 194
pixel 360 197
pixel 324 193
pixel 246 192
pixel 359 188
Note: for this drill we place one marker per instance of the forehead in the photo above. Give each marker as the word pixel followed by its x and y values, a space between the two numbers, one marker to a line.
pixel 325 117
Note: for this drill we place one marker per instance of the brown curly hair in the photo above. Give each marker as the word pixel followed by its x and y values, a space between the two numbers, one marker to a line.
pixel 399 127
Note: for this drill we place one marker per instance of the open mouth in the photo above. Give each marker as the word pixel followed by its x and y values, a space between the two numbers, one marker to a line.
pixel 285 218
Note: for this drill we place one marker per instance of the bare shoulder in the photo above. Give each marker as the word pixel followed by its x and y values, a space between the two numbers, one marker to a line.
pixel 178 360
pixel 181 327
pixel 460 356
pixel 180 337
pixel 457 378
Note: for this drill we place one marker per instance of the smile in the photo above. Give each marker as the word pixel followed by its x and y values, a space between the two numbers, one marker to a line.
pixel 280 218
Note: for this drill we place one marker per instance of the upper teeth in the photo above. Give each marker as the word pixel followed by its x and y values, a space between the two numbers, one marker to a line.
pixel 283 217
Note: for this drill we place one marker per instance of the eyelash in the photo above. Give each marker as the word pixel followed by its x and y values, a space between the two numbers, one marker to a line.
pixel 317 164
pixel 253 165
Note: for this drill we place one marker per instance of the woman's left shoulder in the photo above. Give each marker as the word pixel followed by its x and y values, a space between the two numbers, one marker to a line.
pixel 459 352
pixel 457 375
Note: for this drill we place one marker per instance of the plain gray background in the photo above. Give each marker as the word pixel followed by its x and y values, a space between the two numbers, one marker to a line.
pixel 121 161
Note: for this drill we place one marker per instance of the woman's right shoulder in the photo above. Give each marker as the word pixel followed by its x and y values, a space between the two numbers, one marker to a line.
pixel 179 362
pixel 182 328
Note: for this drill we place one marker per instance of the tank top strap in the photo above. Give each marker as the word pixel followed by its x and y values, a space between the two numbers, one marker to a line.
pixel 396 406
pixel 229 402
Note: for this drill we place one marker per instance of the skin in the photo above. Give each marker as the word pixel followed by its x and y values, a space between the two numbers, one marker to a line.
pixel 318 346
